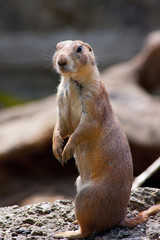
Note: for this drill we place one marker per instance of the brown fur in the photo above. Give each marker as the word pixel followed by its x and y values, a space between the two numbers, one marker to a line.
pixel 96 140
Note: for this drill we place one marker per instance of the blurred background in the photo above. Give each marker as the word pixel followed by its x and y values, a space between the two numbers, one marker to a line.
pixel 29 31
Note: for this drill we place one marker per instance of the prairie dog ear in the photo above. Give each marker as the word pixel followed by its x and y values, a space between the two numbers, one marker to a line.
pixel 88 46
pixel 59 45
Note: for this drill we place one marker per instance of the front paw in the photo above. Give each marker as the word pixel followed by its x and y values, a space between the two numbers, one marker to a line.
pixel 58 148
pixel 68 152
pixel 57 151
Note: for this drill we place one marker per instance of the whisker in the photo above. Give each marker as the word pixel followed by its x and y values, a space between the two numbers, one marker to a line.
pixel 47 56
pixel 49 60
pixel 49 65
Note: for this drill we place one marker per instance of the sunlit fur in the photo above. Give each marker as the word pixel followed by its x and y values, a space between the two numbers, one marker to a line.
pixel 96 140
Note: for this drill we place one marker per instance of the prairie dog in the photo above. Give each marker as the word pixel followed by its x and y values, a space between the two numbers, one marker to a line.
pixel 96 140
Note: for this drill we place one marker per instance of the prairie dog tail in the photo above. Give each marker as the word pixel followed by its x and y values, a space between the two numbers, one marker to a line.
pixel 141 217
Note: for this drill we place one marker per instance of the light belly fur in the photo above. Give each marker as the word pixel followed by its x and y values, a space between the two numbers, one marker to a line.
pixel 71 108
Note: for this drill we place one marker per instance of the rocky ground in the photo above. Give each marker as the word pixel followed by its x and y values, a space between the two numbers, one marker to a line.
pixel 41 221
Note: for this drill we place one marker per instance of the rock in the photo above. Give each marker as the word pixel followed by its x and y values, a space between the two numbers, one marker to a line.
pixel 141 198
pixel 62 218
pixel 27 128
pixel 138 110
pixel 29 221
pixel 130 86
pixel 44 209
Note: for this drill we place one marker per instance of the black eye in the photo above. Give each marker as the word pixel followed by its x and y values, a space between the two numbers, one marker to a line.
pixel 79 49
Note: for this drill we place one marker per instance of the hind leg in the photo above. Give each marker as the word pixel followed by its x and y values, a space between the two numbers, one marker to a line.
pixel 83 231
pixel 83 218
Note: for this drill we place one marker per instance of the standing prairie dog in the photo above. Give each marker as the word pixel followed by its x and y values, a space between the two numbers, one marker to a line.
pixel 96 140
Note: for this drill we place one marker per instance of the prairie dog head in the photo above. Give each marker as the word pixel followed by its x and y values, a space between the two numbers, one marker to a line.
pixel 73 58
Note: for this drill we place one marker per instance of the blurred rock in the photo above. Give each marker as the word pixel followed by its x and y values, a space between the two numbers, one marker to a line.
pixel 131 86
pixel 27 128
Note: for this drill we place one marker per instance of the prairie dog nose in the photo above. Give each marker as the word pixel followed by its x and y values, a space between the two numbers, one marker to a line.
pixel 62 61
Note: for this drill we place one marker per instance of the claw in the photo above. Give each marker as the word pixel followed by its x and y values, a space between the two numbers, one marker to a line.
pixel 60 158
pixel 61 162
pixel 64 158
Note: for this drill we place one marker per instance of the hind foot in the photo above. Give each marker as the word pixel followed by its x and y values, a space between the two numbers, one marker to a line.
pixel 71 234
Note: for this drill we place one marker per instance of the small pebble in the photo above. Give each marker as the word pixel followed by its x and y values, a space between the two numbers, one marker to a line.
pixel 38 233
pixel 30 221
